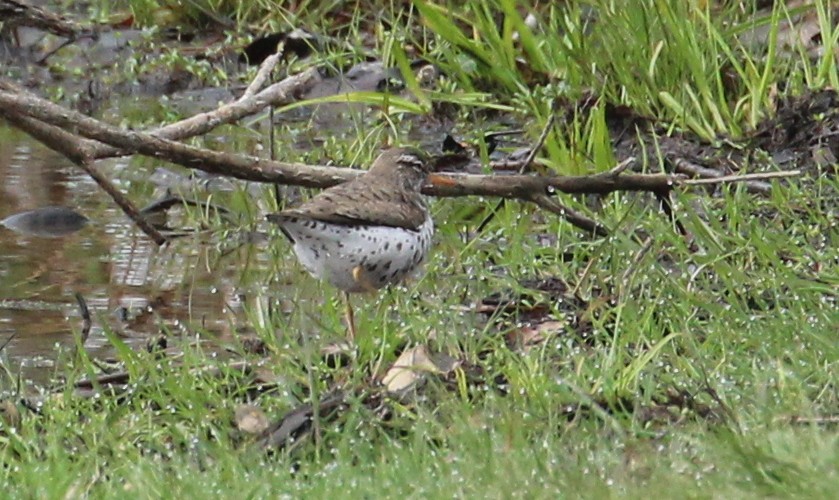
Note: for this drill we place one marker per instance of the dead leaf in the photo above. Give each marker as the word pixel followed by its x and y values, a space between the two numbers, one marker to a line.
pixel 531 335
pixel 250 419
pixel 412 366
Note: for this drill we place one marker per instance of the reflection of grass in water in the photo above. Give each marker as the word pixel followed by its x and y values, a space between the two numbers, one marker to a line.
pixel 687 364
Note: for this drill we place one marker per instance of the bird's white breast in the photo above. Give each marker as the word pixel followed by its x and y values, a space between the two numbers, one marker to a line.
pixel 359 258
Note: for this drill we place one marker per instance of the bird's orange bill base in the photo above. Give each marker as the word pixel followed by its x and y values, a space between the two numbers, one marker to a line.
pixel 440 180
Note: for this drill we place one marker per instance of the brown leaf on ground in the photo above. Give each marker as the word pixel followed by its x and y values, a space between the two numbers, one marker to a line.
pixel 410 369
pixel 250 419
pixel 528 336
pixel 546 304
pixel 800 30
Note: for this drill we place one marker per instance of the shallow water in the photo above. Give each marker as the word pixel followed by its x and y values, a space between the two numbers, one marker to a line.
pixel 131 287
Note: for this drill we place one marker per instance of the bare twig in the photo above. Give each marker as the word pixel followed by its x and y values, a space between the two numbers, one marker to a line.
pixel 741 178
pixel 85 313
pixel 8 340
pixel 52 124
pixel 256 169
pixel 298 423
pixel 581 221
pixel 666 205
pixel 531 155
pixel 264 73
pixel 683 166
pixel 79 153
pixel 260 170
pixel 621 167
pixel 278 94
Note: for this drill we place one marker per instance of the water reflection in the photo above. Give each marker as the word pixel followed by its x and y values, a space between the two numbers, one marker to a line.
pixel 131 286
pixel 46 222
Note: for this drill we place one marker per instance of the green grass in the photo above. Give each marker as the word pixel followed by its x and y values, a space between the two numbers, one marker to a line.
pixel 742 330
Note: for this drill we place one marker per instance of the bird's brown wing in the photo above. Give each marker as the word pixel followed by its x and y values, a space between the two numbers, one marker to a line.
pixel 362 203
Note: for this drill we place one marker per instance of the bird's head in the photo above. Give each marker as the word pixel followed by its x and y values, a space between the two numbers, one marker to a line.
pixel 410 165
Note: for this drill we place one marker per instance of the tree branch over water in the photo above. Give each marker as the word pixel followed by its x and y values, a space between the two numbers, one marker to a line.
pixel 84 140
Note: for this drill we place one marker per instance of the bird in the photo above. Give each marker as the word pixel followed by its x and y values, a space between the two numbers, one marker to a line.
pixel 367 233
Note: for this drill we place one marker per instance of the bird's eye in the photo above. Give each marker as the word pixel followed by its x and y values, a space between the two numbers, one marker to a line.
pixel 412 160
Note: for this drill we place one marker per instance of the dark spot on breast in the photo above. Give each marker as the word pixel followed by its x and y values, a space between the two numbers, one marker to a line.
pixel 386 267
pixel 387 245
pixel 399 246
pixel 372 267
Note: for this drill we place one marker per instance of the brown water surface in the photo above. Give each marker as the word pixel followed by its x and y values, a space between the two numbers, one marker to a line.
pixel 131 287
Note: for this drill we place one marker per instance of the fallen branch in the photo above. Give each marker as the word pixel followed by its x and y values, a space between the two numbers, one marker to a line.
pixel 79 153
pixel 587 224
pixel 683 166
pixel 20 13
pixel 256 169
pixel 552 205
pixel 50 124
pixel 741 178
pixel 278 94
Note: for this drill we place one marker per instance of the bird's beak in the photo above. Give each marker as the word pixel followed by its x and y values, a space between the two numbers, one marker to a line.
pixel 440 180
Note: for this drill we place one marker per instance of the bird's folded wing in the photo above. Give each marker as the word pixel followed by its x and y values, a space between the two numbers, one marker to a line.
pixel 360 204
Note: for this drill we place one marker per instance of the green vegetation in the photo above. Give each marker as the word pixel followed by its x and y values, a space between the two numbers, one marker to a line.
pixel 703 368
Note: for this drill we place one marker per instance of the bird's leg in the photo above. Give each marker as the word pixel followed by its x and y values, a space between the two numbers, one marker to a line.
pixel 364 281
pixel 350 318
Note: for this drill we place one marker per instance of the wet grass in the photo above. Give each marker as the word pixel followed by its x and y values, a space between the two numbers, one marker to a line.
pixel 706 371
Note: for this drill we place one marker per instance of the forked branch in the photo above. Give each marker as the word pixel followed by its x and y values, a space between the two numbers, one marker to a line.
pixel 84 139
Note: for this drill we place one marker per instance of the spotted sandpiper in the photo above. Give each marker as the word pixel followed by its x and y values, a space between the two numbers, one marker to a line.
pixel 367 233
